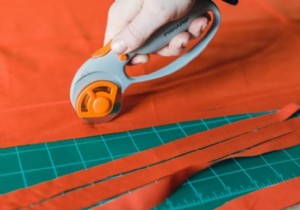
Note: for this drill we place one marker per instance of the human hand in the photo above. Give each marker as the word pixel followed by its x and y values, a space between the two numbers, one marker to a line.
pixel 131 22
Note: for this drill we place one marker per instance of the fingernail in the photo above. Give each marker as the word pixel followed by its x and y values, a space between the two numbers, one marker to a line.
pixel 118 46
pixel 139 59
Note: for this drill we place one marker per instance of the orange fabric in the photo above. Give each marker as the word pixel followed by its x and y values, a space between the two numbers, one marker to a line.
pixel 162 188
pixel 187 164
pixel 279 196
pixel 145 158
pixel 184 165
pixel 165 186
pixel 251 65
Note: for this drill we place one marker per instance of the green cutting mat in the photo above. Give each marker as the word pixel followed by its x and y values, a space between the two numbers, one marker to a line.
pixel 28 165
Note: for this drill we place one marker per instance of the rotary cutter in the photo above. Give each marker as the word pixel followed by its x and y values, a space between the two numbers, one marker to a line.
pixel 98 86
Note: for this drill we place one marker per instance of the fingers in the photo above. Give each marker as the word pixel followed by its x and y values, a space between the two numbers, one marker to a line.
pixel 198 26
pixel 139 59
pixel 130 23
pixel 153 15
pixel 176 45
pixel 138 30
pixel 180 41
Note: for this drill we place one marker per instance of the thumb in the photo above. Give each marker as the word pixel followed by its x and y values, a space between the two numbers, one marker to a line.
pixel 148 20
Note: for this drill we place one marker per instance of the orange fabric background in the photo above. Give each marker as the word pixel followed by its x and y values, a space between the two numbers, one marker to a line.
pixel 251 65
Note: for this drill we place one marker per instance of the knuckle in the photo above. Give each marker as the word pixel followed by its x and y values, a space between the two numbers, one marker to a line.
pixel 158 10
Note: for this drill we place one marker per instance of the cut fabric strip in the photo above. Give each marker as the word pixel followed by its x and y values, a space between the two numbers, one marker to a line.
pixel 52 188
pixel 165 186
pixel 188 164
pixel 279 196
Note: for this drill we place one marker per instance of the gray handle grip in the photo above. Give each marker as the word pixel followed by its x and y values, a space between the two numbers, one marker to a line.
pixel 166 33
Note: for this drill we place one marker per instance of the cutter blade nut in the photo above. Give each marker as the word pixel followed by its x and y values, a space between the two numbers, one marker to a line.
pixel 96 100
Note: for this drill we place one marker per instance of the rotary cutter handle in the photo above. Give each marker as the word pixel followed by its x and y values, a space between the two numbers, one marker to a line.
pixel 98 86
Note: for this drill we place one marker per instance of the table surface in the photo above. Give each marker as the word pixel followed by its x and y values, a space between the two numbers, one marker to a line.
pixel 28 165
